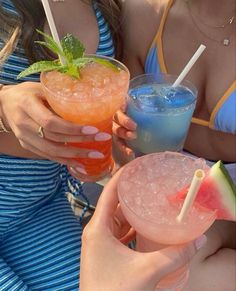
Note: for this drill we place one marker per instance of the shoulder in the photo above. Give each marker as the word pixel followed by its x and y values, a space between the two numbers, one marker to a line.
pixel 141 19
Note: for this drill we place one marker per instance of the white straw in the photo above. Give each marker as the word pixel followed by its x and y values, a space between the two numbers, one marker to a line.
pixel 189 65
pixel 52 25
pixel 191 195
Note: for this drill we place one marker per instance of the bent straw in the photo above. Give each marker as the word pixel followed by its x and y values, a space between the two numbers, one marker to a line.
pixel 189 65
pixel 191 195
pixel 52 25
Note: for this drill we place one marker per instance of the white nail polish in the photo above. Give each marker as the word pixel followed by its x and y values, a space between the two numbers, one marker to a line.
pixel 102 136
pixel 89 130
pixel 95 155
pixel 200 242
pixel 77 169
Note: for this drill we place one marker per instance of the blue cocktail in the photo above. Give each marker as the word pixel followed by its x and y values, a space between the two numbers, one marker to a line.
pixel 162 113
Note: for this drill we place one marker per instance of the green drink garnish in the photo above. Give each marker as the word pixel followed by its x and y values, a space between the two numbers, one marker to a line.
pixel 72 51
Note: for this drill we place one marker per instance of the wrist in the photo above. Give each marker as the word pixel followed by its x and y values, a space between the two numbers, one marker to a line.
pixel 3 126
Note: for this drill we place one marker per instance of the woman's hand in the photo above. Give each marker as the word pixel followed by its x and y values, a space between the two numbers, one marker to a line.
pixel 123 130
pixel 109 265
pixel 24 111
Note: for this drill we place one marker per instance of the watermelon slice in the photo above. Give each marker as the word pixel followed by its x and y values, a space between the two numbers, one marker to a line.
pixel 217 192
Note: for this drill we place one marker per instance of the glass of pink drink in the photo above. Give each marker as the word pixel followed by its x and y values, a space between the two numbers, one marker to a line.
pixel 90 100
pixel 143 189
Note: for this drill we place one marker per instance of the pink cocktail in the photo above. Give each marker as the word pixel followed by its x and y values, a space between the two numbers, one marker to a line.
pixel 144 187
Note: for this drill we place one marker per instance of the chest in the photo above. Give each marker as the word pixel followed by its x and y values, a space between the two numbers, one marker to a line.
pixel 79 20
pixel 215 70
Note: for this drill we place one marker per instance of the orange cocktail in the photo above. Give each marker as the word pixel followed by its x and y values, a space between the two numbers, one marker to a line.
pixel 90 100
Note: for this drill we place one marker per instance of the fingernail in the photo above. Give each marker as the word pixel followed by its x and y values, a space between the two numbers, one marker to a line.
pixel 200 242
pixel 131 124
pixel 102 136
pixel 95 155
pixel 78 169
pixel 131 134
pixel 89 130
pixel 131 155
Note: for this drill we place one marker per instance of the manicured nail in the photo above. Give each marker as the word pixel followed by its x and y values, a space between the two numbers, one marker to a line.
pixel 95 155
pixel 102 136
pixel 131 124
pixel 89 130
pixel 79 169
pixel 200 242
pixel 131 135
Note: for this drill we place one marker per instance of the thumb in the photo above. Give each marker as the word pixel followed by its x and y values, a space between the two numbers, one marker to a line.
pixel 165 261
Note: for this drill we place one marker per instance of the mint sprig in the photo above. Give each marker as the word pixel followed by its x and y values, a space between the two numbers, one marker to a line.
pixel 71 51
pixel 42 66
pixel 72 48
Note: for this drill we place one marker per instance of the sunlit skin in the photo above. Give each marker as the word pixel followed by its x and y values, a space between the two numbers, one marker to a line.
pixel 212 74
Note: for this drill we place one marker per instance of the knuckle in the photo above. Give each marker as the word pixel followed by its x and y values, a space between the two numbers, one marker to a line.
pixel 54 137
pixel 126 122
pixel 120 131
pixel 116 116
pixel 48 122
pixel 88 234
pixel 24 145
pixel 19 134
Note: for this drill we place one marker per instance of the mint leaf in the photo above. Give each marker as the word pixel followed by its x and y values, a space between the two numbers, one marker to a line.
pixel 72 48
pixel 50 44
pixel 81 62
pixel 72 51
pixel 106 63
pixel 71 70
pixel 38 67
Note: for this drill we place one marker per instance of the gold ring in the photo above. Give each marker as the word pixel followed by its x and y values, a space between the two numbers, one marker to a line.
pixel 40 132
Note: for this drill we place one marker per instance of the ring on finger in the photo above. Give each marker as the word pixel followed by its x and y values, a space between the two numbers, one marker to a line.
pixel 40 132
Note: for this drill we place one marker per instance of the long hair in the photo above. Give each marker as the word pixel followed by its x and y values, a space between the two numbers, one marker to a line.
pixel 31 16
pixel 10 29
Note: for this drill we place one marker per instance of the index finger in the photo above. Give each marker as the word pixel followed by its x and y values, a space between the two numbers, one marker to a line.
pixel 51 122
pixel 122 119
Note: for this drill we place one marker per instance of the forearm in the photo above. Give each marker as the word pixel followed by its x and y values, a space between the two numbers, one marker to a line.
pixel 9 144
pixel 4 127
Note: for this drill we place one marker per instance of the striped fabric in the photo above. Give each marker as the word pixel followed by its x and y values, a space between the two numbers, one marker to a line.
pixel 40 238
pixel 17 62
pixel 39 234
pixel 105 46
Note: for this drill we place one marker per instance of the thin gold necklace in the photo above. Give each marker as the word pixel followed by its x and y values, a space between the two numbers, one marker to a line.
pixel 226 23
pixel 225 41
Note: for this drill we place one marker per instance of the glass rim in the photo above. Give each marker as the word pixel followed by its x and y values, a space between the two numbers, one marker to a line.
pixel 214 212
pixel 164 75
pixel 58 95
pixel 192 88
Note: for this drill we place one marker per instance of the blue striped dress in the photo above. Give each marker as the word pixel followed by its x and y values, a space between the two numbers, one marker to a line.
pixel 40 238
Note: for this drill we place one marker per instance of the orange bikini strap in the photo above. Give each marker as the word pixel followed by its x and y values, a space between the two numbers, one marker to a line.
pixel 163 19
pixel 162 23
pixel 219 104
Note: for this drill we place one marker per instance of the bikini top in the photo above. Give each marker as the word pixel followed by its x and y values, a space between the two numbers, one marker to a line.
pixel 223 116
pixel 18 61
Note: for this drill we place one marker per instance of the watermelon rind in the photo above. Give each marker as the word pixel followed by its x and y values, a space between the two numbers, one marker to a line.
pixel 226 186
